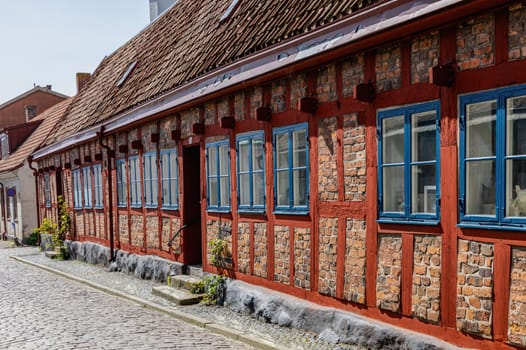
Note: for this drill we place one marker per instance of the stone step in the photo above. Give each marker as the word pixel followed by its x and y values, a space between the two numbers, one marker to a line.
pixel 184 281
pixel 195 270
pixel 178 296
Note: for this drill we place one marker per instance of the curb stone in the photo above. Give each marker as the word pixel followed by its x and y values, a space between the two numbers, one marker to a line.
pixel 185 317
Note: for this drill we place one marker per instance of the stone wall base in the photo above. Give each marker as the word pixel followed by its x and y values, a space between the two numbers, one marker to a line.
pixel 331 324
pixel 140 266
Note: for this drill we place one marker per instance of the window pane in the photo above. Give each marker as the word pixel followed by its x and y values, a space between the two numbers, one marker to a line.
pixel 393 189
pixel 282 188
pixel 259 189
pixel 423 138
pixel 516 126
pixel 225 192
pixel 516 187
pixel 173 192
pixel 166 191
pixel 224 165
pixel 258 151
pixel 243 155
pixel 480 129
pixel 300 187
pixel 299 148
pixel 282 150
pixel 480 188
pixel 173 165
pixel 393 140
pixel 212 188
pixel 154 191
pixel 244 189
pixel 212 161
pixel 424 189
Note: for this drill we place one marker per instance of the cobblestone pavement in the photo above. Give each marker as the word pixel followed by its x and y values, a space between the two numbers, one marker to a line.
pixel 39 310
pixel 283 337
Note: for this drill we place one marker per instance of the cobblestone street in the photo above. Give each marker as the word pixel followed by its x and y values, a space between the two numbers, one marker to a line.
pixel 39 310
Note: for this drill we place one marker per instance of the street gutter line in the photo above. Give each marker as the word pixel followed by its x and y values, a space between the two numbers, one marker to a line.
pixel 183 316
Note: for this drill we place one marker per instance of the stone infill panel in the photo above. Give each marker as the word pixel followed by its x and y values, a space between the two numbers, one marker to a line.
pixel 256 100
pixel 282 254
pixel 425 50
pixel 388 68
pixel 218 229
pixel 188 118
pixel 328 247
pixel 427 263
pixel 302 257
pixel 326 83
pixel 152 232
pixel 243 247
pixel 352 74
pixel 165 131
pixel 389 271
pixel 475 288
pixel 79 223
pixel 298 89
pixel 239 105
pixel 354 165
pixel 476 43
pixel 166 234
pixel 517 32
pixel 517 308
pixel 278 95
pixel 327 159
pixel 355 249
pixel 260 249
pixel 123 229
pixel 137 230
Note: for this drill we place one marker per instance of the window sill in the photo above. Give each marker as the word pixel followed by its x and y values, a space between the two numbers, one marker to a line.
pixel 398 221
pixel 218 210
pixel 251 211
pixel 493 226
pixel 151 206
pixel 169 208
pixel 291 212
pixel 136 206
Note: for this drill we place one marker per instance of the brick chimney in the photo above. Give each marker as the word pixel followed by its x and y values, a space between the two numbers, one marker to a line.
pixel 82 80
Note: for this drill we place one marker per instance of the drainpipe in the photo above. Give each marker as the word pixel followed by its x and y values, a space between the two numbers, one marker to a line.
pixel 35 174
pixel 110 154
pixel 4 214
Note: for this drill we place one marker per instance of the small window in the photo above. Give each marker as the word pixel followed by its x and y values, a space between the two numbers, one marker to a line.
pixel 229 10
pixel 150 179
pixel 408 163
pixel 47 191
pixel 291 169
pixel 493 158
pixel 98 193
pixel 126 74
pixel 4 145
pixel 87 184
pixel 77 189
pixel 218 176
pixel 169 179
pixel 135 182
pixel 250 150
pixel 122 183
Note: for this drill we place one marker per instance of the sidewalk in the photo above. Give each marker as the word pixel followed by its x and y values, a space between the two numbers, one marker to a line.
pixel 217 319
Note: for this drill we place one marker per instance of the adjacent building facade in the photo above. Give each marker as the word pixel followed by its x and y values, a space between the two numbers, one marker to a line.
pixel 366 156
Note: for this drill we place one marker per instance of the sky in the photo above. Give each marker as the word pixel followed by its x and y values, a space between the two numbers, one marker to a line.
pixel 46 42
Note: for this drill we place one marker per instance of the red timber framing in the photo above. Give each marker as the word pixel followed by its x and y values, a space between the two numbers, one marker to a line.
pixel 288 238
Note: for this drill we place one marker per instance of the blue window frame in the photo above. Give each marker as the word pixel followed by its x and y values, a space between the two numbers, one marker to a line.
pixel 47 191
pixel 135 182
pixel 122 183
pixel 150 179
pixel 291 169
pixel 250 149
pixel 97 186
pixel 170 178
pixel 409 164
pixel 87 187
pixel 77 189
pixel 493 159
pixel 218 176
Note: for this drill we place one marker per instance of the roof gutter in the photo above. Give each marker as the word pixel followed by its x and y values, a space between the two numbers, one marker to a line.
pixel 382 17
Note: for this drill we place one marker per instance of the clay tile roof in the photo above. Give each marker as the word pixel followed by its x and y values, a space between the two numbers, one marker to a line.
pixel 50 117
pixel 188 41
